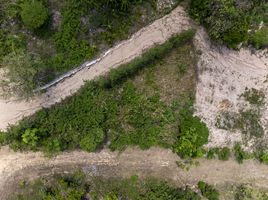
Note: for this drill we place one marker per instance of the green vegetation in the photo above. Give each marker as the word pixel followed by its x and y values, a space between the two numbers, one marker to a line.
pixel 240 154
pixel 125 108
pixel 260 38
pixel 33 14
pixel 76 187
pixel 246 192
pixel 64 34
pixel 208 191
pixel 193 135
pixel 254 96
pixel 220 153
pixel 228 21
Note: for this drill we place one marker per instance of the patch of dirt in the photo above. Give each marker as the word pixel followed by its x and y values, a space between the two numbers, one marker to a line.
pixel 12 110
pixel 224 75
pixel 156 162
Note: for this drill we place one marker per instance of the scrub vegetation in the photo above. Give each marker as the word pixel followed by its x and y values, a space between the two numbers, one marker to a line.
pixel 144 103
pixel 55 36
pixel 229 21
pixel 78 186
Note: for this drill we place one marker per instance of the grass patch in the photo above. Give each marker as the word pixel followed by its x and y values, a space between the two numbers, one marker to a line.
pixel 114 109
pixel 260 38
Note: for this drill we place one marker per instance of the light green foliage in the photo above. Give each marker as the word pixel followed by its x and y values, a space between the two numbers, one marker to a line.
pixel 193 135
pixel 208 191
pixel 33 13
pixel 91 140
pixel 260 38
pixel 30 137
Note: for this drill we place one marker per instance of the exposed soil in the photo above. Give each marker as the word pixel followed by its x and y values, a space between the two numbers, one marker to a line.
pixel 224 75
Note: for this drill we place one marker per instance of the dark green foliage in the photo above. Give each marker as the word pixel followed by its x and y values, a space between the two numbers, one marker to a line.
pixel 192 136
pixel 33 14
pixel 208 191
pixel 239 154
pixel 224 153
pixel 112 109
pixel 76 186
pixel 224 21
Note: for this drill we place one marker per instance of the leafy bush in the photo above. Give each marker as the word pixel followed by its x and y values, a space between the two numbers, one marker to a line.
pixel 224 153
pixel 91 141
pixel 193 135
pixel 240 155
pixel 225 22
pixel 33 14
pixel 208 191
pixel 260 38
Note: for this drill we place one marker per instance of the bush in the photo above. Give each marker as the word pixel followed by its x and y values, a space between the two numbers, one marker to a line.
pixel 192 136
pixel 224 153
pixel 33 14
pixel 225 22
pixel 92 140
pixel 208 191
pixel 239 154
pixel 260 38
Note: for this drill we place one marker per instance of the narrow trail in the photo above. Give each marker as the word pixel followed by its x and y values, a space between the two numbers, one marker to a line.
pixel 156 162
pixel 11 111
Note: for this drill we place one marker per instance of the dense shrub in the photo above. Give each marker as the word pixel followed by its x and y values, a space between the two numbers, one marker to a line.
pixel 192 136
pixel 208 191
pixel 33 14
pixel 225 22
pixel 260 38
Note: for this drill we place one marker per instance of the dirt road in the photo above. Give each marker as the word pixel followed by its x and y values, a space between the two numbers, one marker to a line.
pixel 11 111
pixel 155 162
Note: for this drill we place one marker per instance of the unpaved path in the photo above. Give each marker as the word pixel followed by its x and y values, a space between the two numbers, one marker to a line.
pixel 155 162
pixel 158 32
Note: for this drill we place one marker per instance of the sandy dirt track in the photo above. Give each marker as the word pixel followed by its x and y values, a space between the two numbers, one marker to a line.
pixel 155 162
pixel 11 111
